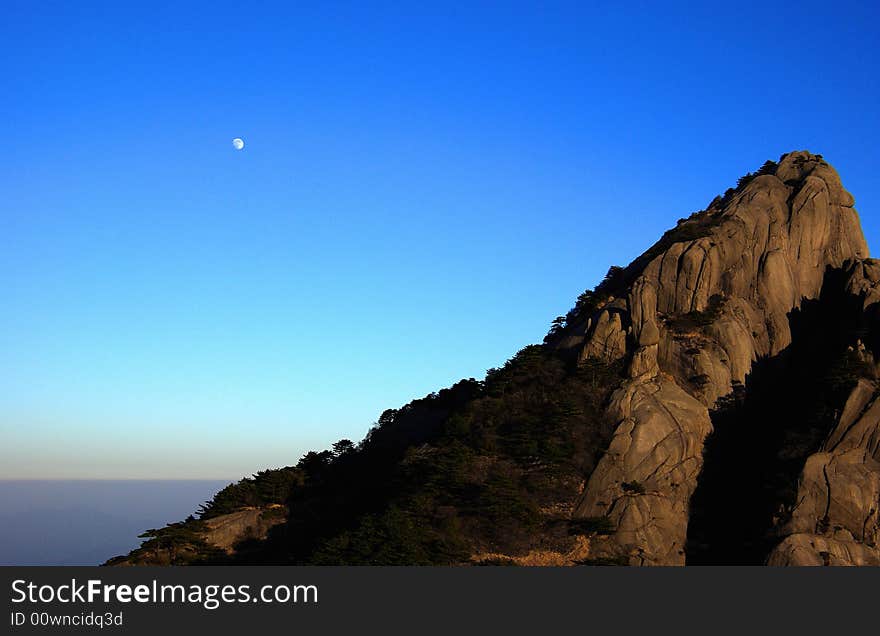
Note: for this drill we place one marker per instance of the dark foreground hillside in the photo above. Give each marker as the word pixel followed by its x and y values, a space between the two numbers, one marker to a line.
pixel 485 471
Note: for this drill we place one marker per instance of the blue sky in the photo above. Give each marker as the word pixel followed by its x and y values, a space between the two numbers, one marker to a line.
pixel 423 190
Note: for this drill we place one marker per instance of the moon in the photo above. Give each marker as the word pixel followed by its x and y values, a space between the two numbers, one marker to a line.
pixel 238 143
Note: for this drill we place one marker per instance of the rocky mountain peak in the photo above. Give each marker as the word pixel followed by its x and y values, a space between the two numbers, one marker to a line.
pixel 691 317
pixel 724 280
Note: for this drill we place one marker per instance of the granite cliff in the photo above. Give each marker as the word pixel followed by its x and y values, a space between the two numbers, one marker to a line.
pixel 690 318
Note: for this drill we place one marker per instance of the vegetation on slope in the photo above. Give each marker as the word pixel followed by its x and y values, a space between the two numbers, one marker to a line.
pixel 483 467
pixel 264 488
pixel 487 466
pixel 183 542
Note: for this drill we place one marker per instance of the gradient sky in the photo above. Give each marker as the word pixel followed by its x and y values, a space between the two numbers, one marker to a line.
pixel 423 190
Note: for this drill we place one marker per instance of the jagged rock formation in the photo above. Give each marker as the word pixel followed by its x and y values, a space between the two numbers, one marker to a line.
pixel 691 316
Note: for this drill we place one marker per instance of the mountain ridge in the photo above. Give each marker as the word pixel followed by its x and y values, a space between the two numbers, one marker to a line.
pixel 589 449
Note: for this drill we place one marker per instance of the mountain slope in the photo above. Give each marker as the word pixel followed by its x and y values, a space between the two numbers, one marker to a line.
pixel 754 318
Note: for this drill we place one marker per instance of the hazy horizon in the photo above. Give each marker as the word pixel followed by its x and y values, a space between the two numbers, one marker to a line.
pixel 87 521
pixel 120 479
pixel 419 195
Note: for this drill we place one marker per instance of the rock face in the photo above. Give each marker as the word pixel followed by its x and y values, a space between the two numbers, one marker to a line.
pixel 645 480
pixel 836 520
pixel 224 531
pixel 690 317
